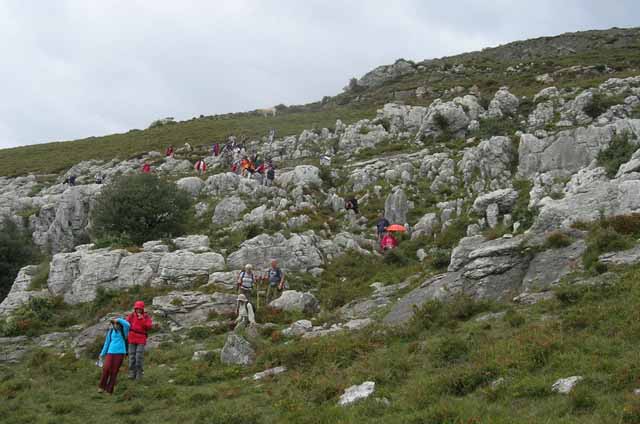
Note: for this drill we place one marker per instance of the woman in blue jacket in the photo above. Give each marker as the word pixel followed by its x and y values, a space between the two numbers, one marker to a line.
pixel 113 352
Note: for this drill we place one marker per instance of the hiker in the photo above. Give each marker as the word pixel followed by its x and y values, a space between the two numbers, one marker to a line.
pixel 271 175
pixel 275 278
pixel 98 179
pixel 169 152
pixel 140 323
pixel 71 180
pixel 200 166
pixel 381 225
pixel 325 160
pixel 113 352
pixel 246 279
pixel 246 315
pixel 388 241
pixel 216 149
pixel 352 204
pixel 146 168
pixel 246 166
pixel 187 148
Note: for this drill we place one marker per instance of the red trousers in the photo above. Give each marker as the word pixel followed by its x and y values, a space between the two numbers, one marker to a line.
pixel 110 370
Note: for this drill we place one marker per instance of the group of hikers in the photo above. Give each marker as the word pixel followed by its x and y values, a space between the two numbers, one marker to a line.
pixel 127 336
pixel 235 156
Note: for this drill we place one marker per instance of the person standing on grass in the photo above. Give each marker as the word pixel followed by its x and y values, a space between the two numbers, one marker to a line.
pixel 112 354
pixel 275 278
pixel 140 323
pixel 246 315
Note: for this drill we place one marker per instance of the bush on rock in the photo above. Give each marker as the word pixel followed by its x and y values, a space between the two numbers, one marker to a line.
pixel 140 208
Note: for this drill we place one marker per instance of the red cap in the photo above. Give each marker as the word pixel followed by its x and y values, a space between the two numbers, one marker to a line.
pixel 139 305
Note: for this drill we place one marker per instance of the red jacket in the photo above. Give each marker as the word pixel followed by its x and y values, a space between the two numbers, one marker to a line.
pixel 139 328
pixel 388 242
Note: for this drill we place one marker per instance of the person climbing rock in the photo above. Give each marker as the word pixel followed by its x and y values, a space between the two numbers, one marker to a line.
pixel 113 353
pixel 246 315
pixel 146 168
pixel 381 225
pixel 246 280
pixel 169 152
pixel 140 323
pixel 275 279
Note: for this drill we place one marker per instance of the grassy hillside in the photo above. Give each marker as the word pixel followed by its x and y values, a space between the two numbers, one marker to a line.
pixel 55 157
pixel 614 53
pixel 441 369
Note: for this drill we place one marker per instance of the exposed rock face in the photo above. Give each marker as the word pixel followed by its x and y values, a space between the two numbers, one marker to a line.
pixel 299 252
pixel 237 351
pixel 402 118
pixel 77 275
pixel 505 199
pixel 384 73
pixel 192 185
pixel 625 257
pixel 187 308
pixel 302 175
pixel 62 225
pixel 488 166
pixel 181 267
pixel 298 328
pixel 294 301
pixel 426 226
pixel 480 269
pixel 228 210
pixel 396 206
pixel 20 293
pixel 588 195
pixel 548 267
pixel 361 135
pixel 381 297
pixel 568 151
pixel 13 349
pixel 503 104
pixel 194 243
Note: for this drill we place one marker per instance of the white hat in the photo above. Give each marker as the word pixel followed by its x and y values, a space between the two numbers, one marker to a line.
pixel 242 298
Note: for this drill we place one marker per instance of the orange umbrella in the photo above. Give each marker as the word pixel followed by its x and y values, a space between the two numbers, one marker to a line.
pixel 396 227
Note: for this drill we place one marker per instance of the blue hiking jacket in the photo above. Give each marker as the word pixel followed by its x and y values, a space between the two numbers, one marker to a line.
pixel 113 342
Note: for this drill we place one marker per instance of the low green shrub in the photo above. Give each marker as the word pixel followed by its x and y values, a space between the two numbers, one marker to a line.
pixel 618 152
pixel 601 103
pixel 557 240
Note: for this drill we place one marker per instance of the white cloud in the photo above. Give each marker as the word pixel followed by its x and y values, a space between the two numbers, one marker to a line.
pixel 74 68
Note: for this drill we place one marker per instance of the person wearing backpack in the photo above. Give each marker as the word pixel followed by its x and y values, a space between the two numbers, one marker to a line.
pixel 113 353
pixel 140 323
pixel 246 280
pixel 246 315
pixel 275 278
pixel 271 175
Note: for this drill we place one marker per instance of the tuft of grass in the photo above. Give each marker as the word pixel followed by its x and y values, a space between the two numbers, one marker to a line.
pixel 618 152
pixel 557 240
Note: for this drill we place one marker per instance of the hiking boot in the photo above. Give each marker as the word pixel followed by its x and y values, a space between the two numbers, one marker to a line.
pixel 132 376
pixel 139 376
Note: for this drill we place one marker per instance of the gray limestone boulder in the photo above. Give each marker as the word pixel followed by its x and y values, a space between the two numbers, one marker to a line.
pixel 396 206
pixel 192 185
pixel 188 308
pixel 547 268
pixel 62 225
pixel 20 294
pixel 294 301
pixel 182 267
pixel 504 198
pixel 426 226
pixel 503 104
pixel 487 167
pixel 384 73
pixel 301 175
pixel 622 258
pixel 237 351
pixel 299 252
pixel 193 243
pixel 174 166
pixel 228 210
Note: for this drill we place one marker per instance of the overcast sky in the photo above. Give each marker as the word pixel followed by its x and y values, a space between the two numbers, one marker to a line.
pixel 75 68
